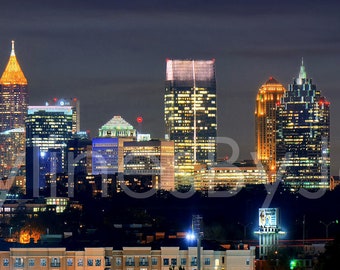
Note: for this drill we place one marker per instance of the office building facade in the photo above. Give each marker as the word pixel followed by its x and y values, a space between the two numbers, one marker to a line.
pixel 226 176
pixel 75 104
pixel 153 159
pixel 268 97
pixel 108 147
pixel 303 134
pixel 190 114
pixel 126 258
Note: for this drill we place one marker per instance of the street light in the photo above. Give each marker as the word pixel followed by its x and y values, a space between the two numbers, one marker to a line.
pixel 326 226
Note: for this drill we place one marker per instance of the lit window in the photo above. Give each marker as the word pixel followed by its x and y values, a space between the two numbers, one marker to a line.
pixel 69 261
pixel 30 262
pixel 89 262
pixel 80 262
pixel 5 262
pixel 42 262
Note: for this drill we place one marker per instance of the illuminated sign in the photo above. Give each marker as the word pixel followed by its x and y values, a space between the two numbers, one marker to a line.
pixel 268 217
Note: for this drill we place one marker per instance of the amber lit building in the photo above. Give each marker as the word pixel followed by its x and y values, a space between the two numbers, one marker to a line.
pixel 268 97
pixel 13 110
pixel 190 114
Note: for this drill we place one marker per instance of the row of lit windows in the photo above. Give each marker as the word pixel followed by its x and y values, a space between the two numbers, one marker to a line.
pixel 54 262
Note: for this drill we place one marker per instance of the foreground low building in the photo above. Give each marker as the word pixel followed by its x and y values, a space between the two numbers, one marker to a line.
pixel 127 258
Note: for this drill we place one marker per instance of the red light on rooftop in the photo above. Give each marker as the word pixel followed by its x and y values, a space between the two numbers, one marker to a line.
pixel 139 119
pixel 75 99
pixel 324 102
pixel 55 99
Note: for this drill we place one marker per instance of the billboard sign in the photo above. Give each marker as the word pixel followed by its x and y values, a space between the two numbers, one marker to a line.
pixel 268 217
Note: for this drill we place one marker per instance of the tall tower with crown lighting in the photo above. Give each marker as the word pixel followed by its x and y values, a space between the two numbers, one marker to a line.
pixel 303 134
pixel 13 95
pixel 268 97
pixel 13 110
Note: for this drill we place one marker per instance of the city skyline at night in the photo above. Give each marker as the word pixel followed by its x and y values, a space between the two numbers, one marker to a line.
pixel 114 50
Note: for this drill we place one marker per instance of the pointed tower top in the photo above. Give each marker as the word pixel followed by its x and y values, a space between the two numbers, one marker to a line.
pixel 13 51
pixel 302 74
pixel 13 73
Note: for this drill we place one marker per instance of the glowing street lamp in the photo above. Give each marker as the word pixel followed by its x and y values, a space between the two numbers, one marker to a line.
pixel 190 236
pixel 197 235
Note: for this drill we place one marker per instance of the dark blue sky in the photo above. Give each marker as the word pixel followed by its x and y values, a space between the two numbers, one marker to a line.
pixel 111 54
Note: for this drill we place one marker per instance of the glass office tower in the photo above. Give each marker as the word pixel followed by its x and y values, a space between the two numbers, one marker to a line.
pixel 190 114
pixel 303 134
pixel 48 130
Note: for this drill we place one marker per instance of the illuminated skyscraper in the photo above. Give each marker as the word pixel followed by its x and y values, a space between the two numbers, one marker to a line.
pixel 267 98
pixel 48 130
pixel 13 109
pixel 303 128
pixel 13 95
pixel 190 113
pixel 75 104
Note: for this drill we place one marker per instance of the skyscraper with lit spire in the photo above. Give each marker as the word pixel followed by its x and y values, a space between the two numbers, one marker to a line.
pixel 303 134
pixel 190 114
pixel 13 95
pixel 267 98
pixel 13 110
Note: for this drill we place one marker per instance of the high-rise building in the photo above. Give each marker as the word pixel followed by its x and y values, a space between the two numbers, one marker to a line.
pixel 267 99
pixel 13 95
pixel 190 114
pixel 13 110
pixel 75 104
pixel 12 151
pixel 303 133
pixel 48 129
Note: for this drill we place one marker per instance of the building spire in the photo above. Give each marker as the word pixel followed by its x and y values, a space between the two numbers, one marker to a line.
pixel 302 74
pixel 13 51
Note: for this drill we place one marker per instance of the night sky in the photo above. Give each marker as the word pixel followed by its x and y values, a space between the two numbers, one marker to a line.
pixel 111 55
